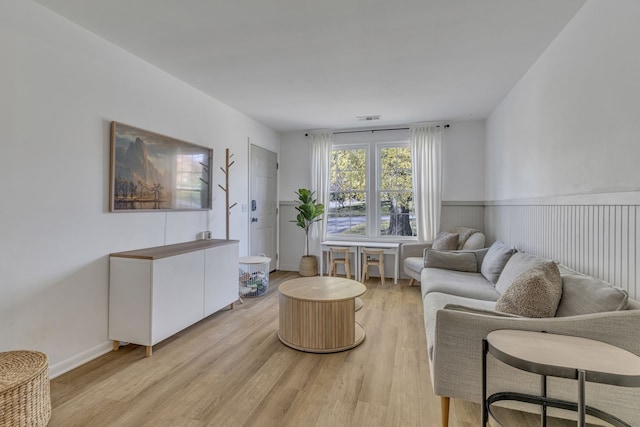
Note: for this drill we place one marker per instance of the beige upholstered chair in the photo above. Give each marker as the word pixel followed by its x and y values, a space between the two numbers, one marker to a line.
pixel 412 254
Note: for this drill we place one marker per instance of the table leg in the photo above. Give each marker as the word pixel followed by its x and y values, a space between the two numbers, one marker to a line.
pixel 484 414
pixel 395 261
pixel 357 257
pixel 543 392
pixel 581 398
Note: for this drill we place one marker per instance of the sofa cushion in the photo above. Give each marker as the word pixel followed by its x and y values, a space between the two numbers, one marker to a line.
pixel 463 234
pixel 468 285
pixel 480 254
pixel 445 241
pixel 582 294
pixel 517 264
pixel 495 260
pixel 534 293
pixel 451 260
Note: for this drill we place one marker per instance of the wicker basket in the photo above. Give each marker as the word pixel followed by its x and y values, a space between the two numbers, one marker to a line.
pixel 24 389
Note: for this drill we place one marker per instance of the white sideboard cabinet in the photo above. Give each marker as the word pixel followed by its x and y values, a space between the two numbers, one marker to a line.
pixel 156 292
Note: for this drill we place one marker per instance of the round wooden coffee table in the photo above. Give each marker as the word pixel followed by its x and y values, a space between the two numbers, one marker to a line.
pixel 317 314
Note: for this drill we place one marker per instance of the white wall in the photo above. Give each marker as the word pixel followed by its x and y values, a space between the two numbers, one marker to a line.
pixel 570 126
pixel 463 152
pixel 562 149
pixel 60 86
pixel 295 164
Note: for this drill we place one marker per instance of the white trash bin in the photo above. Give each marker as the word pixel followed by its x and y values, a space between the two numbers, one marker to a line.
pixel 253 275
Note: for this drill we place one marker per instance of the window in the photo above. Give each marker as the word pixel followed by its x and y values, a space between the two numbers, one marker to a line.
pixel 370 193
pixel 348 192
pixel 395 193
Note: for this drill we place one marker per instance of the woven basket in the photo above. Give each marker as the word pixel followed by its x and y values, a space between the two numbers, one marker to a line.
pixel 24 389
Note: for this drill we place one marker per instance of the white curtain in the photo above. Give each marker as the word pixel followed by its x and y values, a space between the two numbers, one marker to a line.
pixel 426 160
pixel 320 169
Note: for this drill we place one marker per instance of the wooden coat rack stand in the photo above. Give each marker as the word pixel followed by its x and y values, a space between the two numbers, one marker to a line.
pixel 226 187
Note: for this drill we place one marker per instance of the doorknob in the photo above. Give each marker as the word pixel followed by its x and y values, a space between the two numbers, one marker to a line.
pixel 254 219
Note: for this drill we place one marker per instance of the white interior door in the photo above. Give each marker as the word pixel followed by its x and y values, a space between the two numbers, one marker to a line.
pixel 263 204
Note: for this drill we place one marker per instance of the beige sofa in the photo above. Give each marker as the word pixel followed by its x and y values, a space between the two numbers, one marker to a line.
pixel 459 313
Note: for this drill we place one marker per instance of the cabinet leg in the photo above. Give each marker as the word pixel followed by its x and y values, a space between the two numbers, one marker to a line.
pixel 149 350
pixel 116 345
pixel 231 306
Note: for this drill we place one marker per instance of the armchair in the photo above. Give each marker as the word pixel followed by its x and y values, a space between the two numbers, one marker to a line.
pixel 412 254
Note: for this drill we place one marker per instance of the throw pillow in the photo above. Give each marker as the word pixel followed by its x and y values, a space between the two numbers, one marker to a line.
pixel 517 264
pixel 582 294
pixel 458 261
pixel 535 293
pixel 495 260
pixel 445 241
pixel 463 234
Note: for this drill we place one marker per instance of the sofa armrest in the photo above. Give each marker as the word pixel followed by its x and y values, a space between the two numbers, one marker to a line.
pixel 457 351
pixel 412 250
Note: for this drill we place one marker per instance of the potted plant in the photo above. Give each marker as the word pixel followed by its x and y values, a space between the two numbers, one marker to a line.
pixel 309 211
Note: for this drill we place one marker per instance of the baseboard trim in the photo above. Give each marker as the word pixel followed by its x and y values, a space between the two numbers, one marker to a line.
pixel 290 267
pixel 79 359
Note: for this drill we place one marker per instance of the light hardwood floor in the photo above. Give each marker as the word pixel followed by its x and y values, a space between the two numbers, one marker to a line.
pixel 230 369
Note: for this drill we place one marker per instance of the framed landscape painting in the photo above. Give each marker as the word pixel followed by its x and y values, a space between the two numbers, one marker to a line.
pixel 153 172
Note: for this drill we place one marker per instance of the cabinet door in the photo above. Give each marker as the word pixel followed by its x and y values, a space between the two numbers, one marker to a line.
pixel 221 277
pixel 178 283
pixel 130 300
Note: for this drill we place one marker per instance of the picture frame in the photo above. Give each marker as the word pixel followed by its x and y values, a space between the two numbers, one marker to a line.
pixel 154 172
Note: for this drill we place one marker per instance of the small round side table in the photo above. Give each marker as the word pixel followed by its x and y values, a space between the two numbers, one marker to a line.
pixel 24 389
pixel 559 356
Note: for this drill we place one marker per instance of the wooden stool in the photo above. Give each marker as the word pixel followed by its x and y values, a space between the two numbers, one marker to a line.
pixel 367 260
pixel 24 389
pixel 334 261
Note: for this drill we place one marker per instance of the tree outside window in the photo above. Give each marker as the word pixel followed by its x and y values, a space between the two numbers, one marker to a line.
pixel 395 194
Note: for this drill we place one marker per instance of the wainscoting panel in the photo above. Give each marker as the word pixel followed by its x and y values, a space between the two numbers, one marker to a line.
pixel 462 214
pixel 599 240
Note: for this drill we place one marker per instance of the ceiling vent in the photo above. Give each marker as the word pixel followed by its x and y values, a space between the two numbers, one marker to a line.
pixel 368 118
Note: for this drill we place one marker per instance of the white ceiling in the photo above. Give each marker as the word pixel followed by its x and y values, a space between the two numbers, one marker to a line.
pixel 310 64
